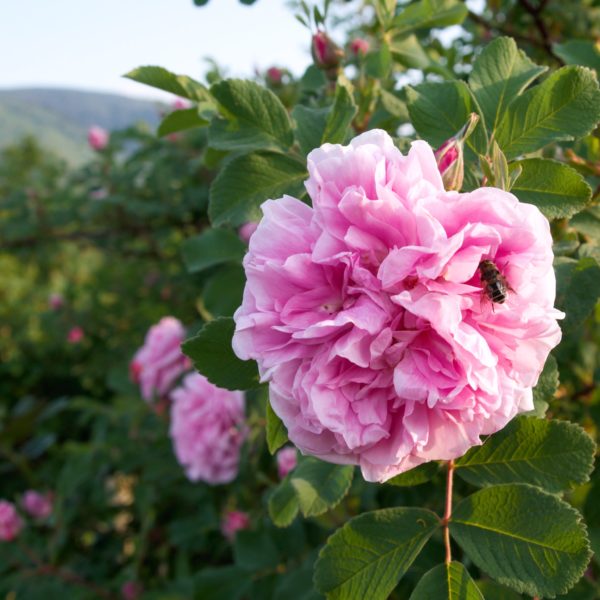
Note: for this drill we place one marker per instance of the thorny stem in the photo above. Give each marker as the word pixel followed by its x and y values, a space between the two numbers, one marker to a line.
pixel 448 511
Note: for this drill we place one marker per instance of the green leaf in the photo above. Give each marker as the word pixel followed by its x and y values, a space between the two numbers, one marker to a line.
pixel 162 79
pixel 340 117
pixel 247 181
pixel 223 292
pixel 256 118
pixel 254 550
pixel 311 124
pixel 525 538
pixel 222 583
pixel 212 247
pixel 429 13
pixel 211 352
pixel 494 591
pixel 320 485
pixel 283 504
pixel 367 557
pixel 588 223
pixel 385 10
pixel 555 455
pixel 378 63
pixel 180 120
pixel 578 289
pixel 446 582
pixel 558 190
pixel 408 51
pixel 421 474
pixel 546 387
pixel 394 105
pixel 579 52
pixel 276 432
pixel 564 107
pixel 500 73
pixel 439 110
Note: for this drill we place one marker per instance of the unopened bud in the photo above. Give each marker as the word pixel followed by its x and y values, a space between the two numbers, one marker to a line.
pixel 450 156
pixel 359 46
pixel 326 53
pixel 274 75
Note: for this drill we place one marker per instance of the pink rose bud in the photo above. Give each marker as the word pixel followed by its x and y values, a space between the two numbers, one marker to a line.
pixel 286 461
pixel 326 53
pixel 131 590
pixel 274 75
pixel 359 46
pixel 37 505
pixel 449 156
pixel 56 301
pixel 75 335
pixel 10 521
pixel 98 138
pixel 180 104
pixel 245 232
pixel 232 522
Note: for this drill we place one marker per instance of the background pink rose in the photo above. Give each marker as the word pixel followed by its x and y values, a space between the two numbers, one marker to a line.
pixel 75 335
pixel 234 521
pixel 287 459
pixel 207 429
pixel 37 505
pixel 367 316
pixel 98 138
pixel 10 521
pixel 159 362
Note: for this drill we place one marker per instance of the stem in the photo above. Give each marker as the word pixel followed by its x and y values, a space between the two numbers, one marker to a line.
pixel 448 511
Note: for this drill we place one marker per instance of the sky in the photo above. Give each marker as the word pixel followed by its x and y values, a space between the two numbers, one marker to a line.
pixel 90 44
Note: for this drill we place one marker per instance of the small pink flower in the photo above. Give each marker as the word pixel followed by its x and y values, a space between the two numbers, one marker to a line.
pixel 159 362
pixel 37 505
pixel 286 460
pixel 131 590
pixel 207 429
pixel 245 232
pixel 10 521
pixel 75 335
pixel 359 46
pixel 180 104
pixel 274 75
pixel 234 521
pixel 98 138
pixel 326 53
pixel 56 301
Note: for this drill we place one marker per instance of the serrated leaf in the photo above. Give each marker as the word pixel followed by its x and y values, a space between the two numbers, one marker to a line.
pixel 162 79
pixel 429 13
pixel 446 582
pixel 180 120
pixel 247 181
pixel 555 455
pixel 276 432
pixel 223 292
pixel 408 51
pixel 546 387
pixel 564 107
pixel 340 116
pixel 558 190
pixel 439 110
pixel 320 485
pixel 212 247
pixel 579 52
pixel 367 557
pixel 525 538
pixel 211 352
pixel 394 105
pixel 500 73
pixel 283 504
pixel 311 124
pixel 255 118
pixel 417 476
pixel 494 591
pixel 577 289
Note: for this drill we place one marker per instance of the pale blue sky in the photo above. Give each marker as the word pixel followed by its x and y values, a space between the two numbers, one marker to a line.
pixel 90 43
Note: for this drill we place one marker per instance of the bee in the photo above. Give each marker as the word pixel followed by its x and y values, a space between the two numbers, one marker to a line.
pixel 495 286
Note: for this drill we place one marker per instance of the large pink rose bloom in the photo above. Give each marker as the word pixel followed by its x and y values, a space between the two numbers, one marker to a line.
pixel 207 429
pixel 159 362
pixel 367 316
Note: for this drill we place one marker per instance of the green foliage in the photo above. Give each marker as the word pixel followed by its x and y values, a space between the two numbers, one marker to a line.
pixel 283 504
pixel 429 13
pixel 447 582
pixel 546 386
pixel 579 52
pixel 180 120
pixel 211 352
pixel 368 555
pixel 212 247
pixel 554 455
pixel 276 433
pixel 416 476
pixel 340 117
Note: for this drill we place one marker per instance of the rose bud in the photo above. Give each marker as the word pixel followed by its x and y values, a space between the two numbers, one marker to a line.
pixel 39 506
pixel 274 75
pixel 326 53
pixel 98 138
pixel 234 521
pixel 359 46
pixel 286 461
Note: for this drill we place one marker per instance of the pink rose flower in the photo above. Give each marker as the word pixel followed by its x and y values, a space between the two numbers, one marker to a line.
pixel 37 505
pixel 98 138
pixel 180 104
pixel 233 521
pixel 245 232
pixel 286 461
pixel 359 46
pixel 10 521
pixel 56 301
pixel 207 429
pixel 159 362
pixel 274 75
pixel 75 335
pixel 368 317
pixel 131 590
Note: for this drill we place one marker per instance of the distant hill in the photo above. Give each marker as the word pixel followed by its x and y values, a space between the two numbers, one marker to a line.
pixel 60 118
